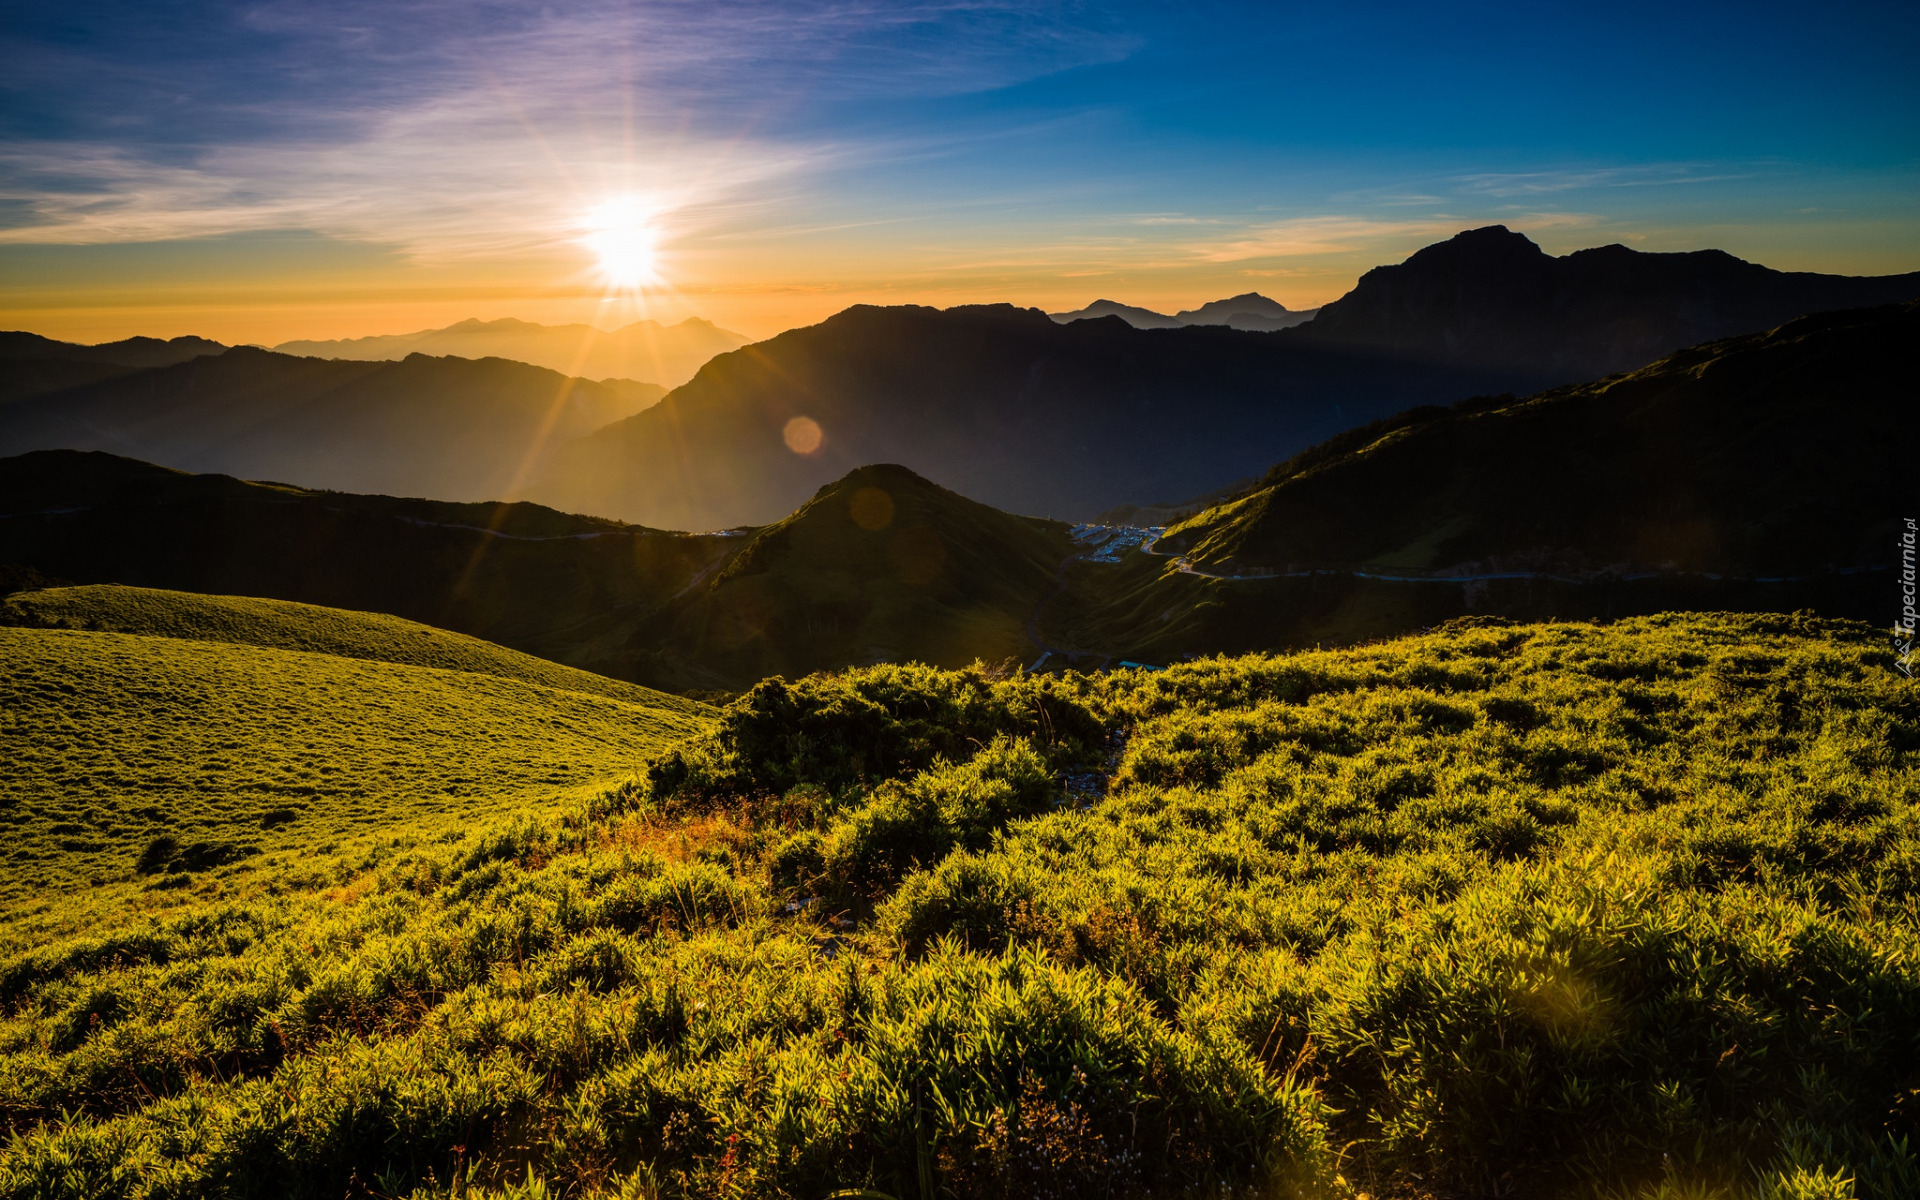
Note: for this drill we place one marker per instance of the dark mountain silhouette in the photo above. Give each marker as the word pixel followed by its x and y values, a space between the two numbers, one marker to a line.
pixel 1768 454
pixel 1250 311
pixel 129 352
pixel 444 427
pixel 992 401
pixel 31 364
pixel 1751 474
pixel 1490 297
pixel 1003 404
pixel 1072 419
pixel 525 576
pixel 646 350
pixel 879 566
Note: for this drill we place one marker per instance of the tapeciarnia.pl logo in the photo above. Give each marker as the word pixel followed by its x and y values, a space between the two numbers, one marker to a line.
pixel 1903 627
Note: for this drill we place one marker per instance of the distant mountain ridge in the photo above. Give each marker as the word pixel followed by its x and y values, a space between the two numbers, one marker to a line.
pixel 31 364
pixel 645 350
pixel 134 352
pixel 450 428
pixel 1749 474
pixel 1490 296
pixel 1753 473
pixel 1249 311
pixel 1022 411
pixel 1132 314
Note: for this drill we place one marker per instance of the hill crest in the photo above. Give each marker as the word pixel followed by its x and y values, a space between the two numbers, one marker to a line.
pixel 881 565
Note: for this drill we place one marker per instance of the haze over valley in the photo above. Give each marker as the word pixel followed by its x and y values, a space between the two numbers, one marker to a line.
pixel 647 351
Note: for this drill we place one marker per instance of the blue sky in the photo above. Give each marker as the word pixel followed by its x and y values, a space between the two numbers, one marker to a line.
pixel 339 167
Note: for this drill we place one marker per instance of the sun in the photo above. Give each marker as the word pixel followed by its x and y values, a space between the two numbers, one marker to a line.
pixel 622 235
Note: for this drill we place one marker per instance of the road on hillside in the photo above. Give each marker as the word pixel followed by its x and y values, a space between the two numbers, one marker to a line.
pixel 1105 543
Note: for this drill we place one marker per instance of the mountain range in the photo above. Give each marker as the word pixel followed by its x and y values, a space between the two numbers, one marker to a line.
pixel 1250 311
pixel 1005 405
pixel 991 401
pixel 645 350
pixel 878 566
pixel 1750 473
pixel 1071 419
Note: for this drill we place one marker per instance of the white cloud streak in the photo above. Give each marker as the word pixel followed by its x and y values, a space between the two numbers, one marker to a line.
pixel 1540 183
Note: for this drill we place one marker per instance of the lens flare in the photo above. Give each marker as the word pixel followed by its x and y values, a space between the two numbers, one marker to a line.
pixel 623 237
pixel 803 435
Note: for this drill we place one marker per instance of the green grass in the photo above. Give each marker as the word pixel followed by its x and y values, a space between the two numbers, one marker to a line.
pixel 1562 910
pixel 249 759
pixel 286 625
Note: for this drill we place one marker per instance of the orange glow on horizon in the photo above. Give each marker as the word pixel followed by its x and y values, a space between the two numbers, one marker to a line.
pixel 756 287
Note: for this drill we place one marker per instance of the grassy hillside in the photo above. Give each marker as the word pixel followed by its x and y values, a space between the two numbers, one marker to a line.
pixel 138 762
pixel 284 625
pixel 880 566
pixel 1558 910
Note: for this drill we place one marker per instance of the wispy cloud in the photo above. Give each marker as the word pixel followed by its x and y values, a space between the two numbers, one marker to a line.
pixel 1539 183
pixel 487 128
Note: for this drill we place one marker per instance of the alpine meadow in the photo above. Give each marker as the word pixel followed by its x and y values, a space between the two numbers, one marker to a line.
pixel 1266 604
